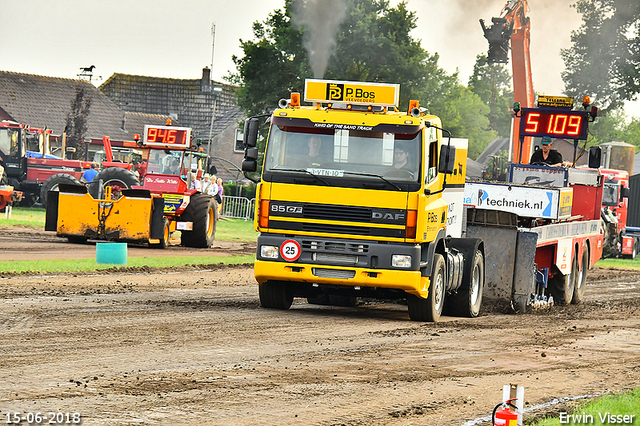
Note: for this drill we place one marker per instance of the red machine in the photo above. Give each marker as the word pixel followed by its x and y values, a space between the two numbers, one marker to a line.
pixel 504 416
pixel 513 26
pixel 29 165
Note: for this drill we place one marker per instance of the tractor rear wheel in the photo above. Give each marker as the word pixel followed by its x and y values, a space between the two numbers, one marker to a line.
pixel 115 177
pixel 54 182
pixel 202 211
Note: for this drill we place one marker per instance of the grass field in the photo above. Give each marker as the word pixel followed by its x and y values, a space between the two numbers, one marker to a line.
pixel 601 410
pixel 235 230
pixel 227 229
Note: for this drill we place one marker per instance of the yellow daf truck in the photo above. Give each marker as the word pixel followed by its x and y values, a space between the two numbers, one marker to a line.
pixel 359 199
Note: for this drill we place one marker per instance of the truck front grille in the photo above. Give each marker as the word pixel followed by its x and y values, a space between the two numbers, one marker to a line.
pixel 333 273
pixel 341 213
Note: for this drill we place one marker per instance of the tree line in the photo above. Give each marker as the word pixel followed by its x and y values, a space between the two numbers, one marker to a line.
pixel 373 43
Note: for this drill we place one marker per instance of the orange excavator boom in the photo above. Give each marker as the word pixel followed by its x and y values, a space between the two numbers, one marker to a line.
pixel 513 26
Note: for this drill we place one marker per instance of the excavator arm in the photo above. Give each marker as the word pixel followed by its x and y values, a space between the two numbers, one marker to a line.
pixel 513 26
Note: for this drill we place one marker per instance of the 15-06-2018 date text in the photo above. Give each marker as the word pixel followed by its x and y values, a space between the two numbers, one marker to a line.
pixel 46 418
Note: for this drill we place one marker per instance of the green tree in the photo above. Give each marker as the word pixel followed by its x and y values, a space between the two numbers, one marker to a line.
pixel 492 83
pixel 604 61
pixel 77 124
pixel 372 44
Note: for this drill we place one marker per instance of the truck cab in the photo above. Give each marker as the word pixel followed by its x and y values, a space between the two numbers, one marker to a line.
pixel 357 198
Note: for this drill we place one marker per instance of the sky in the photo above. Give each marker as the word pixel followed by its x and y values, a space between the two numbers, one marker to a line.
pixel 172 39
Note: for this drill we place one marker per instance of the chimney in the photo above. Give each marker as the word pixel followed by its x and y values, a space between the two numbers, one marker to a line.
pixel 205 83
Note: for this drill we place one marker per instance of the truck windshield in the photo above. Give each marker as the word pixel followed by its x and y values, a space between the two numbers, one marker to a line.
pixel 165 162
pixel 345 154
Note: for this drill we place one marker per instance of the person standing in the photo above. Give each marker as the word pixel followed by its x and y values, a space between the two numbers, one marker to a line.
pixel 90 173
pixel 220 194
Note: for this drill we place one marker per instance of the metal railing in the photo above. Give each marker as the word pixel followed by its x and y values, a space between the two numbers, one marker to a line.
pixel 237 207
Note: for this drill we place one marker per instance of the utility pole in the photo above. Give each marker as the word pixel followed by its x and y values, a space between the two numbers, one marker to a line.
pixel 213 43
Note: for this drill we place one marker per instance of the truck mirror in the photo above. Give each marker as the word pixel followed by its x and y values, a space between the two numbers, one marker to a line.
pixel 445 166
pixel 624 192
pixel 250 135
pixel 251 154
pixel 595 155
pixel 249 165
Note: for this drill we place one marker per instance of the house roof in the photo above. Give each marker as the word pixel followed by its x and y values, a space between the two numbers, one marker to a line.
pixel 45 102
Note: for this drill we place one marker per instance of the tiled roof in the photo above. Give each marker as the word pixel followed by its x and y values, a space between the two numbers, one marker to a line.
pixel 40 101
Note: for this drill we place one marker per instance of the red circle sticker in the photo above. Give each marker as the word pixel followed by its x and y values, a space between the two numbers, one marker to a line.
pixel 290 250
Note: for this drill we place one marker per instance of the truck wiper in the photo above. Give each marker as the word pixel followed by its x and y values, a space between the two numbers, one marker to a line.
pixel 374 175
pixel 278 169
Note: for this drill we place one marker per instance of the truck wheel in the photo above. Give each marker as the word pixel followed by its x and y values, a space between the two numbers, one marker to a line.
pixel 115 177
pixel 321 299
pixel 634 251
pixel 430 309
pixel 54 182
pixel 275 295
pixel 166 237
pixel 339 300
pixel 77 239
pixel 581 278
pixel 467 302
pixel 562 286
pixel 202 211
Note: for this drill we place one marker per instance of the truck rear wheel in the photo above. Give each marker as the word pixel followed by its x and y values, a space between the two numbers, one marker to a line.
pixel 634 251
pixel 202 211
pixel 581 278
pixel 430 309
pixel 561 286
pixel 115 177
pixel 275 295
pixel 467 302
pixel 54 182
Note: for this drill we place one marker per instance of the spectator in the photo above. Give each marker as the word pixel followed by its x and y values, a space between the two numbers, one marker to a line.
pixel 206 183
pixel 91 172
pixel 195 183
pixel 220 194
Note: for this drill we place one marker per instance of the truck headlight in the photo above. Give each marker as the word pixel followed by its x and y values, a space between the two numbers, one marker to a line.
pixel 401 261
pixel 270 252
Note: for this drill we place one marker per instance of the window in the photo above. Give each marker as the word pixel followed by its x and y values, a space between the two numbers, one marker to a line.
pixel 239 146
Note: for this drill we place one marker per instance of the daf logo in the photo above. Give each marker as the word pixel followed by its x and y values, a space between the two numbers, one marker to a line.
pixel 388 216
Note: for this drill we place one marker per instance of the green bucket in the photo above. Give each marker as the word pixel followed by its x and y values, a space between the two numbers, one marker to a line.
pixel 111 253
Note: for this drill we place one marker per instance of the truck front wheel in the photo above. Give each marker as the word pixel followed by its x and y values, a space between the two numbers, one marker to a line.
pixel 430 309
pixel 275 295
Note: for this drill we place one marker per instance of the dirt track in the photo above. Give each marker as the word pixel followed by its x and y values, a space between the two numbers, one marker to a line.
pixel 194 347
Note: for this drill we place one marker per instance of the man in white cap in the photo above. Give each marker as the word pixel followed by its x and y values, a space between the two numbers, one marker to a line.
pixel 545 155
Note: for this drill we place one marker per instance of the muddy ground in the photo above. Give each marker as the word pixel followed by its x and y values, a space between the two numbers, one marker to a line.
pixel 192 346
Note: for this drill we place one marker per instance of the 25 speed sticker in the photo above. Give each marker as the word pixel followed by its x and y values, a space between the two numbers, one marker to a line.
pixel 290 250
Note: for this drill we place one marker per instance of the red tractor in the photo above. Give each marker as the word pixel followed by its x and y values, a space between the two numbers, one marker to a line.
pixel 30 167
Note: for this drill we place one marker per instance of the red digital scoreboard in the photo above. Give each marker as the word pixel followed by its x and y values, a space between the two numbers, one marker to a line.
pixel 555 123
pixel 167 137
